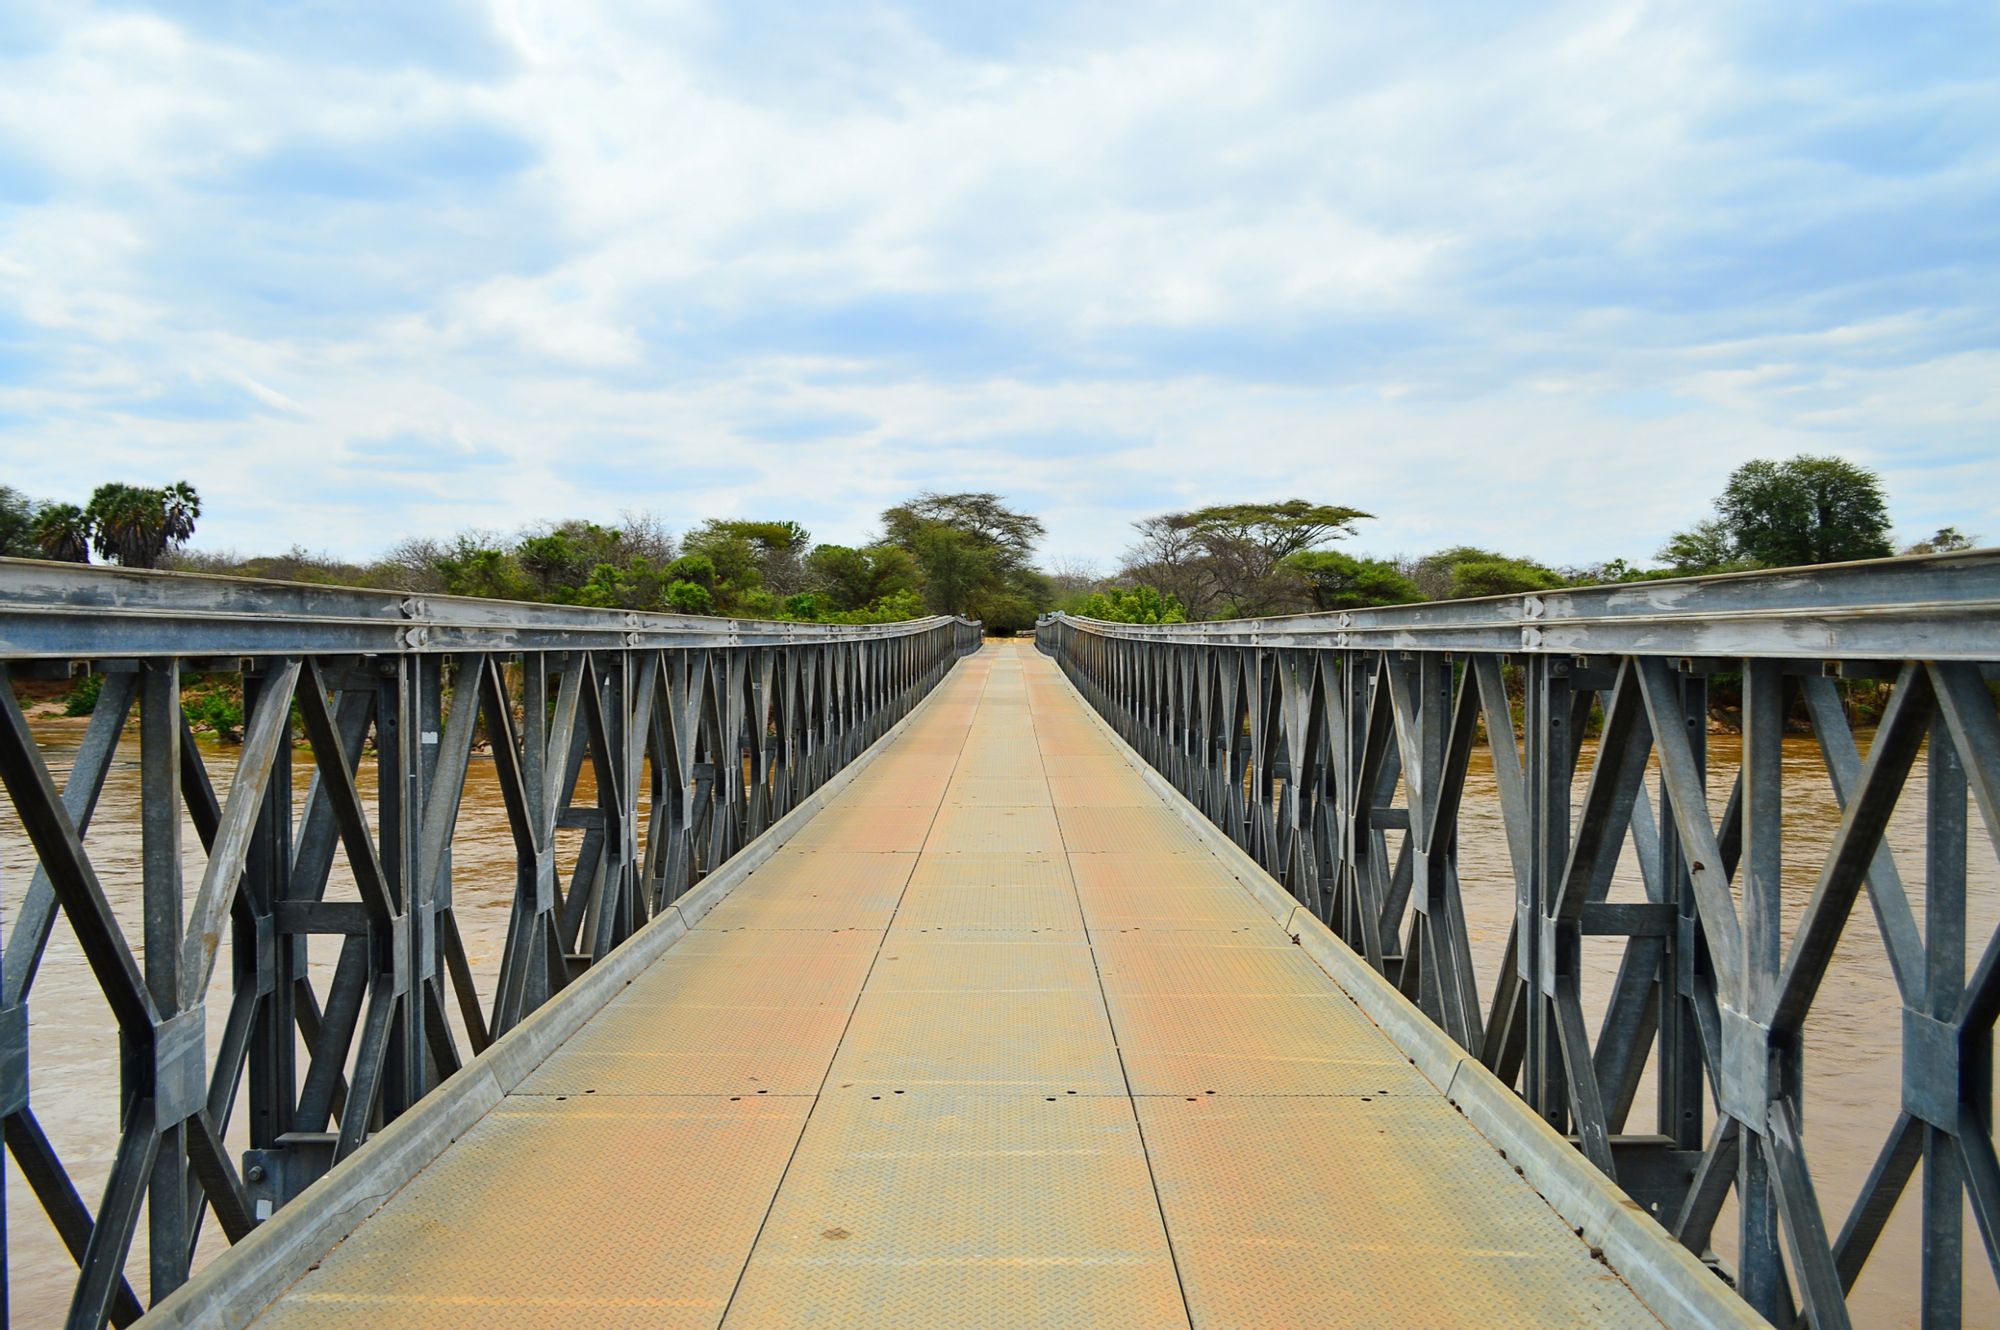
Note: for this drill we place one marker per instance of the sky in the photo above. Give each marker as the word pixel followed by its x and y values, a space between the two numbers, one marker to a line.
pixel 1530 276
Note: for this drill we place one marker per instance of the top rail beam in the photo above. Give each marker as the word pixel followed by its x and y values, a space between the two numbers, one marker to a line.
pixel 1931 607
pixel 70 611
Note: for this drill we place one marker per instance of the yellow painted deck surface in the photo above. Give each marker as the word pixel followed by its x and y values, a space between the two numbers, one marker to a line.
pixel 996 1041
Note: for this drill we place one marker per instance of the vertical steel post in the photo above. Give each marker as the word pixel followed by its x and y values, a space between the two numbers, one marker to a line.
pixel 1944 945
pixel 168 1217
pixel 1550 765
pixel 1761 1272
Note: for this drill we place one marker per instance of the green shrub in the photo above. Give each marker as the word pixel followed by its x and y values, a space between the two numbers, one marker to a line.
pixel 81 699
pixel 216 708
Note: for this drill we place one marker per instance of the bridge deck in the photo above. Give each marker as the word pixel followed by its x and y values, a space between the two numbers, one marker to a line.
pixel 995 1041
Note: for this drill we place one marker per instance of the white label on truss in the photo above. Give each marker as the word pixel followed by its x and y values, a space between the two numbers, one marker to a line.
pixel 430 736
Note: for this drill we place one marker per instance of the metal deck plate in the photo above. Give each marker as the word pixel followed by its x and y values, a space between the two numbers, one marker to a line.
pixel 1007 1043
pixel 995 829
pixel 585 1212
pixel 874 872
pixel 990 870
pixel 998 790
pixel 693 1051
pixel 893 792
pixel 941 1212
pixel 1011 960
pixel 848 827
pixel 1155 830
pixel 1279 1045
pixel 990 907
pixel 758 979
pixel 1190 907
pixel 1108 791
pixel 799 906
pixel 1383 1213
pixel 1153 964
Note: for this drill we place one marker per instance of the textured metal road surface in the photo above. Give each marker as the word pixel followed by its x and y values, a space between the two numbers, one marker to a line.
pixel 994 1042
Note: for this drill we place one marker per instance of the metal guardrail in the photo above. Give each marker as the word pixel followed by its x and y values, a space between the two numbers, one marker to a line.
pixel 1335 748
pixel 699 734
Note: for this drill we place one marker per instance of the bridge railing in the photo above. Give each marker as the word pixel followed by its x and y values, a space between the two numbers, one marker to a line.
pixel 1335 748
pixel 668 742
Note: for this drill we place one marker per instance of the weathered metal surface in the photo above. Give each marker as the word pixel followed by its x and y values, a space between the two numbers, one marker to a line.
pixel 1000 1133
pixel 626 1211
pixel 1334 749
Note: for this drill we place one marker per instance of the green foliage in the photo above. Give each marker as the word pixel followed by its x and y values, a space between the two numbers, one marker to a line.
pixel 474 569
pixel 969 554
pixel 137 525
pixel 1006 539
pixel 636 586
pixel 749 557
pixel 696 568
pixel 1137 604
pixel 1501 577
pixel 955 566
pixel 1803 511
pixel 1948 539
pixel 81 699
pixel 17 524
pixel 1705 547
pixel 214 706
pixel 896 607
pixel 62 533
pixel 1005 613
pixel 1339 581
pixel 850 579
pixel 1277 529
pixel 684 597
pixel 756 603
pixel 1224 560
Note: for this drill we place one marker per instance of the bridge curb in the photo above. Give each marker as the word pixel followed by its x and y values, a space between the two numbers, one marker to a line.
pixel 244 1280
pixel 1667 1277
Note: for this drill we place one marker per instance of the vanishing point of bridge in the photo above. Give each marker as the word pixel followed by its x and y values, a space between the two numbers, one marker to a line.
pixel 879 977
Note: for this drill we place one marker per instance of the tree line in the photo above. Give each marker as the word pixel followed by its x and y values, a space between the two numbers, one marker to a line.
pixel 972 554
pixel 1240 560
pixel 966 554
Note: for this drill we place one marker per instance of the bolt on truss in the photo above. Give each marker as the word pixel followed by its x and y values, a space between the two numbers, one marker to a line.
pixel 1335 749
pixel 696 735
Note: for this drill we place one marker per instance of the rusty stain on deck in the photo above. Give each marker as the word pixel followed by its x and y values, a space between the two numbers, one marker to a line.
pixel 996 1041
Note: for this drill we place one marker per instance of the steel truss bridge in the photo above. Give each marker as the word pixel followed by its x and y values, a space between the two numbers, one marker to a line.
pixel 864 976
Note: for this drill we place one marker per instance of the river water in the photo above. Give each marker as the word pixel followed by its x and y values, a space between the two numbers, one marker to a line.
pixel 1852 1038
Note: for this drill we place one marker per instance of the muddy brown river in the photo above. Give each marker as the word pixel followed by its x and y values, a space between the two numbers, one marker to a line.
pixel 1852 1057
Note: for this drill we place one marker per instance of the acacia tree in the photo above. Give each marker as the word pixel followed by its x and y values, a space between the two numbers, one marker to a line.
pixel 973 554
pixel 1224 559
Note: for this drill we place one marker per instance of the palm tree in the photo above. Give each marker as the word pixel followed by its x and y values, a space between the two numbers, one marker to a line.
pixel 137 526
pixel 179 505
pixel 63 532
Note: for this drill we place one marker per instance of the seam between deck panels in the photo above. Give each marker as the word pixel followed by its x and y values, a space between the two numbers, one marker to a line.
pixel 1111 1023
pixel 757 1238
